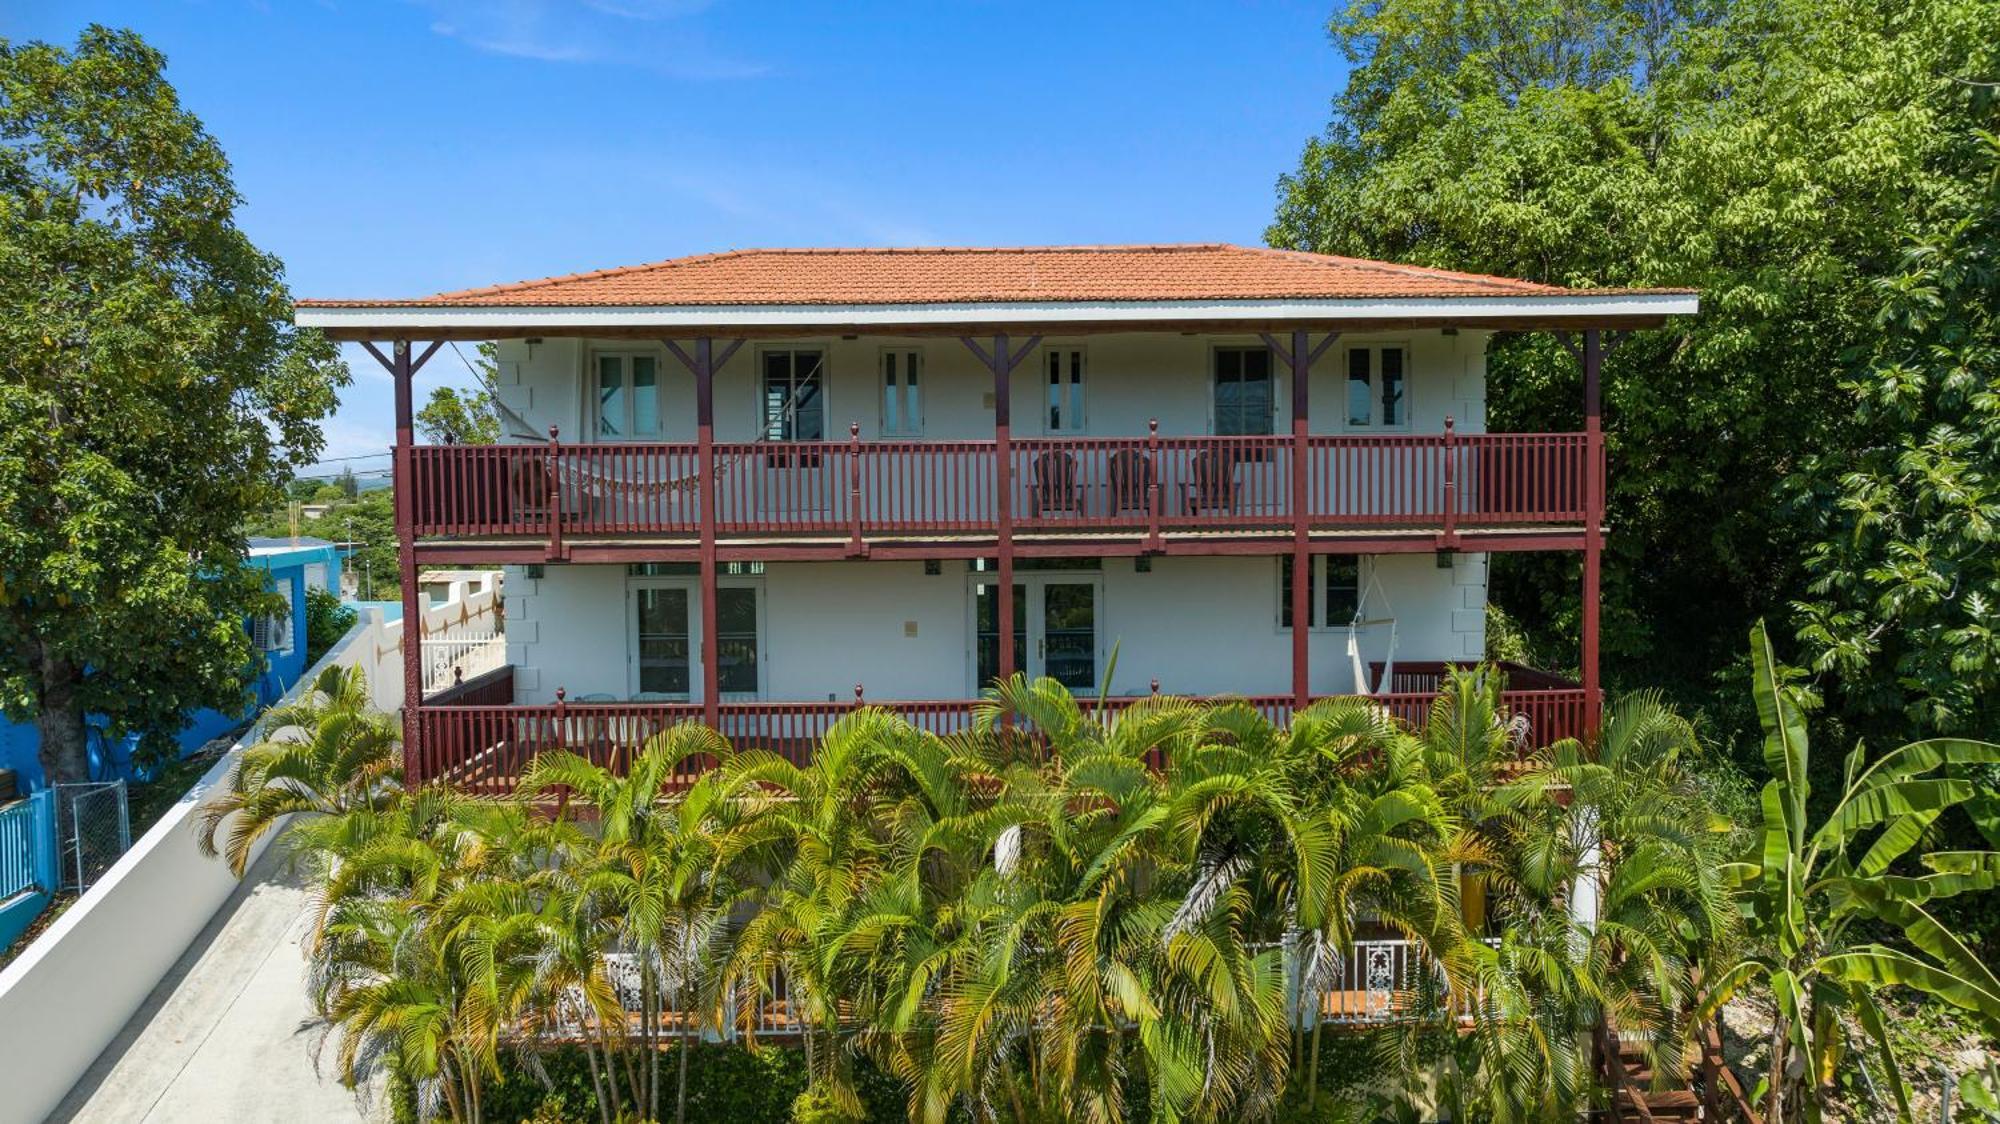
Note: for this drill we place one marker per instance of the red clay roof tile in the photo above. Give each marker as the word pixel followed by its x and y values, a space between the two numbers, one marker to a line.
pixel 966 275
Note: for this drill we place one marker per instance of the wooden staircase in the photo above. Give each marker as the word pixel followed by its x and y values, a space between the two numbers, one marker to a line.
pixel 1711 1093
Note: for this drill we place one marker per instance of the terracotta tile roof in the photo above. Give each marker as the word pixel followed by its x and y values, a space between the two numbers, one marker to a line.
pixel 1209 271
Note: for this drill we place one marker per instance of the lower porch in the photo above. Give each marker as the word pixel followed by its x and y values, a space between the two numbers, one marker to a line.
pixel 475 736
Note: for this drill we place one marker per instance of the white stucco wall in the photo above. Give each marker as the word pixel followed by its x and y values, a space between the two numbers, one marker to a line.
pixel 1199 625
pixel 1129 379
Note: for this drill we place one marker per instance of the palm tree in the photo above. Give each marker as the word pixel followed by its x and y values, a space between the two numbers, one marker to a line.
pixel 1811 902
pixel 327 754
pixel 1601 869
pixel 655 877
pixel 816 840
pixel 1112 930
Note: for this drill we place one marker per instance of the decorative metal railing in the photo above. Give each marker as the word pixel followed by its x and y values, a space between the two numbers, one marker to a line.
pixel 486 748
pixel 863 489
pixel 1373 982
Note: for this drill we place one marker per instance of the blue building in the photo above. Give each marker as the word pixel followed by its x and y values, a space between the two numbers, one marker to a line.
pixel 294 566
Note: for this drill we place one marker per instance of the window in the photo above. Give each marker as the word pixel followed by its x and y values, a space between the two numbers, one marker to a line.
pixel 1243 391
pixel 794 395
pixel 736 639
pixel 628 397
pixel 1065 391
pixel 902 400
pixel 274 633
pixel 316 575
pixel 1334 597
pixel 1376 387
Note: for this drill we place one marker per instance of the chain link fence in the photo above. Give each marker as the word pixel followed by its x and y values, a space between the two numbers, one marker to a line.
pixel 93 828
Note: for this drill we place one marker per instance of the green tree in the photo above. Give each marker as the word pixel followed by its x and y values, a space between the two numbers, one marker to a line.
pixel 1774 154
pixel 1818 899
pixel 464 417
pixel 152 396
pixel 1905 599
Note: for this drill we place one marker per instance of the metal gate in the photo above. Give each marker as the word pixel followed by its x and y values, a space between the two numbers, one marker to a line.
pixel 94 827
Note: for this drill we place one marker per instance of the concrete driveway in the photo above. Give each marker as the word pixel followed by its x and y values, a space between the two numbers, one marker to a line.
pixel 227 1035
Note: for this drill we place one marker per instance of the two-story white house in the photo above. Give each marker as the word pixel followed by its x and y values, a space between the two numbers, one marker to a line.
pixel 752 487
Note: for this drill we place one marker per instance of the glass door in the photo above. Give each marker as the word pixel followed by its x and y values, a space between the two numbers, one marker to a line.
pixel 1055 630
pixel 664 666
pixel 1066 647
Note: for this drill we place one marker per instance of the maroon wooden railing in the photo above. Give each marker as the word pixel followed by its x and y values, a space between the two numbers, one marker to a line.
pixel 485 749
pixel 860 488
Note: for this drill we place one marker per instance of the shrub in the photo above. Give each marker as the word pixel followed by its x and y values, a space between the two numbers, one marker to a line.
pixel 327 620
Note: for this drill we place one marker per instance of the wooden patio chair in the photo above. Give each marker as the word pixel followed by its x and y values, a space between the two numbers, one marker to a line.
pixel 1130 473
pixel 1211 483
pixel 1056 485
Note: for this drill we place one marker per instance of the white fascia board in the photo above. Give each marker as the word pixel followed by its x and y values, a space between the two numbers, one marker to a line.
pixel 682 317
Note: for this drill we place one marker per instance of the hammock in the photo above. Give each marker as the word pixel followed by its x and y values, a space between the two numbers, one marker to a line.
pixel 600 484
pixel 1354 627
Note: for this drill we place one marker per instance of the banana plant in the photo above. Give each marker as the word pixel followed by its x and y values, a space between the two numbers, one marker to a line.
pixel 1813 897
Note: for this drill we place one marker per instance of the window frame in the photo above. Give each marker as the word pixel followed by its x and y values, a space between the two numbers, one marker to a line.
pixel 1317 601
pixel 760 401
pixel 1215 351
pixel 691 588
pixel 272 633
pixel 1078 385
pixel 914 358
pixel 1375 348
pixel 593 397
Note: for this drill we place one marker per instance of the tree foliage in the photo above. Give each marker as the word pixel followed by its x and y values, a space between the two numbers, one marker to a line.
pixel 152 395
pixel 1065 912
pixel 463 417
pixel 1781 156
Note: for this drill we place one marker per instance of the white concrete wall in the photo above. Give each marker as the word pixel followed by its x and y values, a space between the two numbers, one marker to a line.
pixel 1200 625
pixel 1129 379
pixel 67 996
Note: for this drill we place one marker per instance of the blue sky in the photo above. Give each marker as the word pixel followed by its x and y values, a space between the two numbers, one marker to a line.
pixel 399 148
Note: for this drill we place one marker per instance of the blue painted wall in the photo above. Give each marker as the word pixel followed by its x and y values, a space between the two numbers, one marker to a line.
pixel 286 562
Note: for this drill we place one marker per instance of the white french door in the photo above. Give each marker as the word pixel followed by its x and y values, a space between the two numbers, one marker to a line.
pixel 1056 628
pixel 663 620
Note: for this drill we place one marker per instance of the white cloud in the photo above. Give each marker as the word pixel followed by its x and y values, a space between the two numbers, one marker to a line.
pixel 653 34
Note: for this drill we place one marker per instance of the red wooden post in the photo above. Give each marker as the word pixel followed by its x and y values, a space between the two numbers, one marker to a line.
pixel 704 406
pixel 1001 361
pixel 702 365
pixel 859 700
pixel 1003 452
pixel 402 371
pixel 562 718
pixel 1299 358
pixel 1301 364
pixel 1153 540
pixel 1450 537
pixel 402 368
pixel 1593 528
pixel 554 474
pixel 855 545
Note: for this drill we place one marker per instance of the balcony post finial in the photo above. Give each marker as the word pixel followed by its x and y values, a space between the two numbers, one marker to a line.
pixel 1156 686
pixel 857 694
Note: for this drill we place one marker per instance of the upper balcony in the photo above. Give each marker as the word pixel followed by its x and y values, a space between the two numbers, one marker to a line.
pixel 849 498
pixel 1226 346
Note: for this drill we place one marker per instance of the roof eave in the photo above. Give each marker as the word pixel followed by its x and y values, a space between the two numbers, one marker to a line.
pixel 420 320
